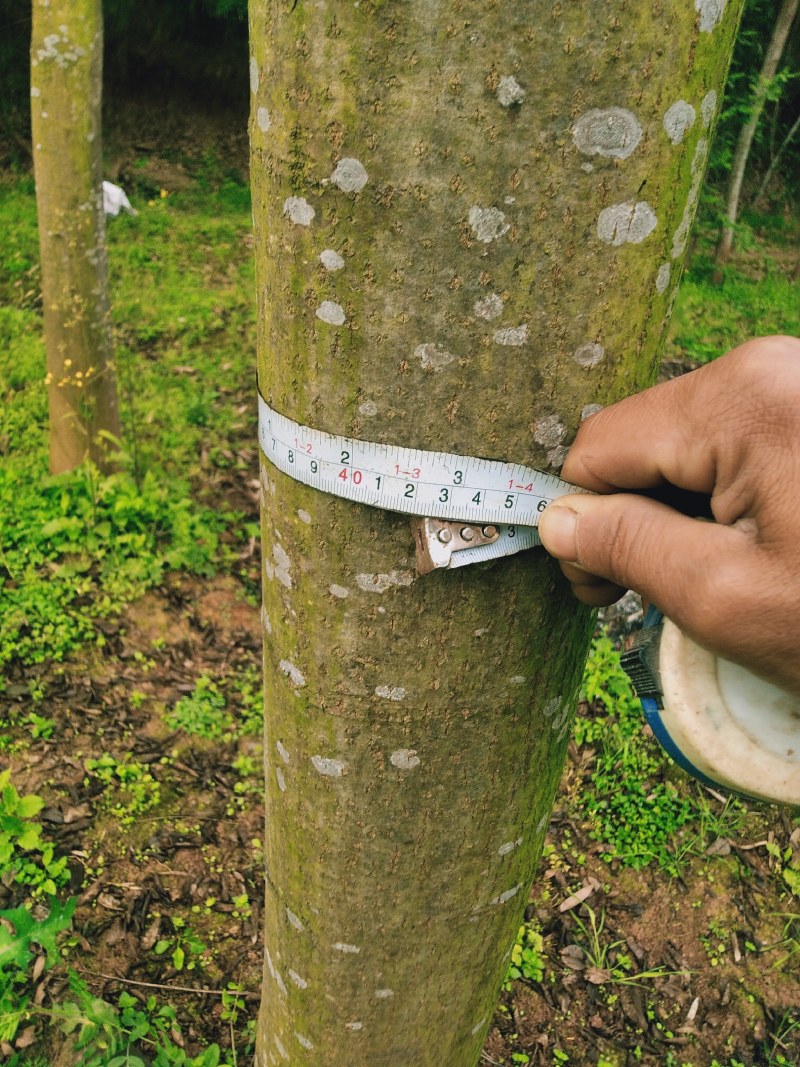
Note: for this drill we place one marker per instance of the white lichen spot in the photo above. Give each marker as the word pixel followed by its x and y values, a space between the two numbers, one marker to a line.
pixel 662 278
pixel 610 131
pixel 587 168
pixel 339 591
pixel 301 983
pixel 433 357
pixel 678 119
pixel 476 1029
pixel 35 91
pixel 369 409
pixel 331 768
pixel 556 456
pixel 342 946
pixel 509 846
pixel 589 355
pixel 542 823
pixel 589 410
pixel 488 223
pixel 349 175
pixel 265 621
pixel 289 669
pixel 548 431
pixel 263 119
pixel 405 759
pixel 295 921
pixel 354 1026
pixel 708 107
pixel 282 752
pixel 301 1040
pixel 279 1046
pixel 390 692
pixel 384 994
pixel 282 565
pixel 281 780
pixel 551 707
pixel 562 716
pixel 512 336
pixel 517 679
pixel 253 75
pixel 503 898
pixel 710 12
pixel 299 211
pixel 509 91
pixel 331 260
pixel 331 312
pixel 488 307
pixel 280 983
pixel 379 583
pixel 626 223
pixel 303 516
pixel 681 235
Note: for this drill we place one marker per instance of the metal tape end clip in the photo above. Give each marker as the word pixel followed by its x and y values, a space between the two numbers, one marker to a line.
pixel 437 539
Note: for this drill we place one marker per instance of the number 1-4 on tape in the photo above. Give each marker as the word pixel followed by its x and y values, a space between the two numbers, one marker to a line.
pixel 415 481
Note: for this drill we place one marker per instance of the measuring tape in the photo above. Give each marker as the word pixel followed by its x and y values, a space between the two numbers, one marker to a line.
pixel 718 721
pixel 506 498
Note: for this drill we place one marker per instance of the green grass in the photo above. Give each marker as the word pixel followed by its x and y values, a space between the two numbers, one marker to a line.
pixel 756 296
pixel 74 549
pixel 635 802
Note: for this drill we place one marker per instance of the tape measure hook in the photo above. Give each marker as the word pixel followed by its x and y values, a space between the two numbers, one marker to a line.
pixel 437 539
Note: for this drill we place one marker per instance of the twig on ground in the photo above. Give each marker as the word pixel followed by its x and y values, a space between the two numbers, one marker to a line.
pixel 172 988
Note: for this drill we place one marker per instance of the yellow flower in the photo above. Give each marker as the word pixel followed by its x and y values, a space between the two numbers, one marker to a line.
pixel 163 194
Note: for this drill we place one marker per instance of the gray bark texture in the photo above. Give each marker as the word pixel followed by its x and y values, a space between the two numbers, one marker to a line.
pixel 470 219
pixel 66 88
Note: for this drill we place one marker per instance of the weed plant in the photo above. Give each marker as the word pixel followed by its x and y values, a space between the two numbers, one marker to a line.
pixel 630 805
pixel 74 549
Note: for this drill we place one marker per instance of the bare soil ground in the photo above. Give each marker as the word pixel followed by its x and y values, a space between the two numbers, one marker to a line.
pixel 723 954
pixel 716 946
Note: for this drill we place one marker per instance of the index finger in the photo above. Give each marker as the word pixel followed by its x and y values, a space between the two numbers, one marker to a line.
pixel 691 432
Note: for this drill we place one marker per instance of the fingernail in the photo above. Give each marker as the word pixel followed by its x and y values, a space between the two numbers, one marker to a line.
pixel 558 529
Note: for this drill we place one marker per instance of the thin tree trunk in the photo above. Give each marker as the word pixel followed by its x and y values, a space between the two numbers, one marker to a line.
pixel 780 33
pixel 470 220
pixel 66 87
pixel 775 161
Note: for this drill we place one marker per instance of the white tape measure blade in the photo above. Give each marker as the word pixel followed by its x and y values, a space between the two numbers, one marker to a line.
pixel 412 481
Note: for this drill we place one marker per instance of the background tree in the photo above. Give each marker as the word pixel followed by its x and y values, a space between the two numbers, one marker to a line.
pixel 469 222
pixel 780 33
pixel 66 91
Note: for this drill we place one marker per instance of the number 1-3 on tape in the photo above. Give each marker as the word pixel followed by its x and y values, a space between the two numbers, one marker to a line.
pixel 413 481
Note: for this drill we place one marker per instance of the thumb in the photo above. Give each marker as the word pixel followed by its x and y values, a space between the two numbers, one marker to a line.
pixel 638 543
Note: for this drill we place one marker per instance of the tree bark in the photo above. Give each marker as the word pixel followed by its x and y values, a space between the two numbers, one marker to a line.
pixel 66 88
pixel 780 33
pixel 470 220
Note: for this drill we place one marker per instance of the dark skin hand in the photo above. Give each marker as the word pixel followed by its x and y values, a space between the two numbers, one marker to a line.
pixel 729 431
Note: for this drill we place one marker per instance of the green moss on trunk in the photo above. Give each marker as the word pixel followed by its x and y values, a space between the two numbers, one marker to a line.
pixel 66 65
pixel 507 189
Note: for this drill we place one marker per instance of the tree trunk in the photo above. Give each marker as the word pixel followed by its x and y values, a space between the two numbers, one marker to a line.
pixel 66 88
pixel 783 25
pixel 775 161
pixel 470 220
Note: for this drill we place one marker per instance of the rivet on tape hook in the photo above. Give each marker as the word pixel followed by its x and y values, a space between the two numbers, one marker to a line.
pixel 437 539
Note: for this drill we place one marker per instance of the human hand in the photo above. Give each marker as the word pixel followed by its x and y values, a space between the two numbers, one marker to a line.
pixel 731 431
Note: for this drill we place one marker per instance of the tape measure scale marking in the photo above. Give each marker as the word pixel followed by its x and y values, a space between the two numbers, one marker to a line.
pixel 444 486
pixel 415 481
